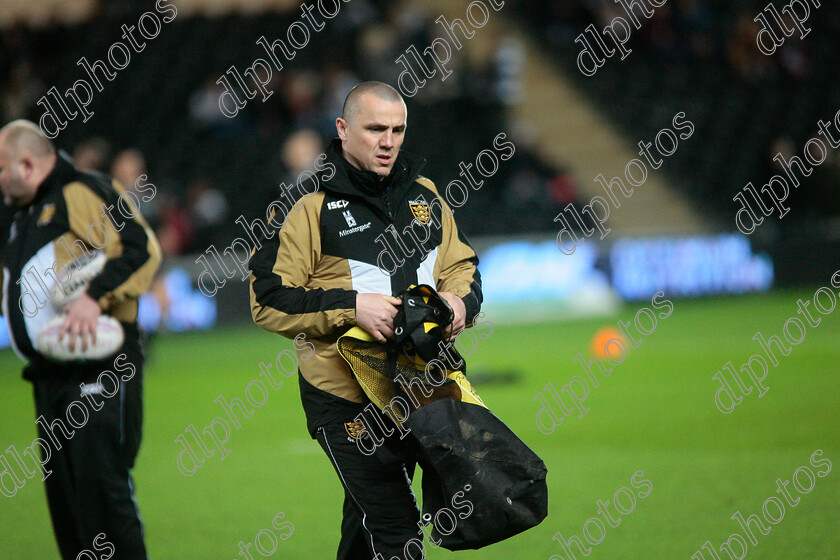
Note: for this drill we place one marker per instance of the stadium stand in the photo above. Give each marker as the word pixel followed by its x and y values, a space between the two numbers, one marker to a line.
pixel 743 102
pixel 165 103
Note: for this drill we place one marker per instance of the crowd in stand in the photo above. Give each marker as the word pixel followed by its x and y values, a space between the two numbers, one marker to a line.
pixel 696 31
pixel 163 114
pixel 701 56
pixel 209 168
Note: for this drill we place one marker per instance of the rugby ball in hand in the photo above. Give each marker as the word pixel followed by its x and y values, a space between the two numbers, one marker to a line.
pixel 74 278
pixel 109 339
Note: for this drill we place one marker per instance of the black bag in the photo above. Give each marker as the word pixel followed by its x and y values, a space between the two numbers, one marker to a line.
pixel 465 451
pixel 466 448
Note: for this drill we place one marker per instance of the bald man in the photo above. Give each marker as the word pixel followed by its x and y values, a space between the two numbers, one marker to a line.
pixel 374 227
pixel 61 215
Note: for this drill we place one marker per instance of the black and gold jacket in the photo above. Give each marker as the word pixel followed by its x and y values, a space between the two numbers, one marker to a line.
pixel 354 235
pixel 66 221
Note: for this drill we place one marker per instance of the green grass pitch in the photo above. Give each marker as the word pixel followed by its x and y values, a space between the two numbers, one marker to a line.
pixel 654 413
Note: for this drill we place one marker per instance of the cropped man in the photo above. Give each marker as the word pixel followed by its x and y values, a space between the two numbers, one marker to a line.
pixel 63 214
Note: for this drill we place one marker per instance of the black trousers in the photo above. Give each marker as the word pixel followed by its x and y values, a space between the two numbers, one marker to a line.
pixel 380 510
pixel 90 490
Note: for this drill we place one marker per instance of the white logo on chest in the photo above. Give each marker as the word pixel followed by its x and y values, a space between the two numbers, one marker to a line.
pixel 336 204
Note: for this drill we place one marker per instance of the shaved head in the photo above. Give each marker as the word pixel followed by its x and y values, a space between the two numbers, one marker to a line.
pixel 372 127
pixel 381 90
pixel 27 157
pixel 24 137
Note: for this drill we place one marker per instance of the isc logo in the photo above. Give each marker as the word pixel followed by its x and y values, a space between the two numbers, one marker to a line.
pixel 335 205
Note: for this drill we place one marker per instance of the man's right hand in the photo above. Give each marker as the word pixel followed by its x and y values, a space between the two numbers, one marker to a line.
pixel 375 313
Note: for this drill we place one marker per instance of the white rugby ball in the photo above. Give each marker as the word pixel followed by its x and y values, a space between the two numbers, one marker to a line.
pixel 74 278
pixel 109 339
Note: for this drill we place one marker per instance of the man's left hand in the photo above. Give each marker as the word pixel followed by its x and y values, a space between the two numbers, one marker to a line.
pixel 459 322
pixel 82 314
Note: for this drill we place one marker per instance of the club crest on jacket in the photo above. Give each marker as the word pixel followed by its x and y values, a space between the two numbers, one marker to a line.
pixel 420 209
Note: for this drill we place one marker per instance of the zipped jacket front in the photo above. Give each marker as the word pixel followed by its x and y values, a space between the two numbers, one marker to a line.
pixel 355 234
